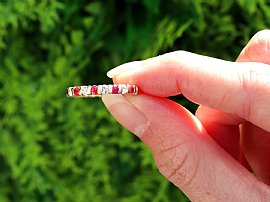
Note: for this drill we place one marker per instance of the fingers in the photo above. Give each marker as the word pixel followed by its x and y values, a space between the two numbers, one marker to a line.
pixel 256 146
pixel 223 128
pixel 257 50
pixel 227 135
pixel 183 151
pixel 255 141
pixel 242 89
pixel 216 116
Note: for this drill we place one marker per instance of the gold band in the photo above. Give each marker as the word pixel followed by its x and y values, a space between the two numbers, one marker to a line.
pixel 99 90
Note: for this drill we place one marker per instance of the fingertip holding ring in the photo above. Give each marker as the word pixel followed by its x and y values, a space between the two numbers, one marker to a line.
pixel 91 91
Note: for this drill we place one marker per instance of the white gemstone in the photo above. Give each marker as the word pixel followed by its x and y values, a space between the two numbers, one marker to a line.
pixel 89 90
pixel 83 90
pixel 110 89
pixel 69 92
pixel 104 89
pixel 99 89
pixel 124 89
pixel 136 90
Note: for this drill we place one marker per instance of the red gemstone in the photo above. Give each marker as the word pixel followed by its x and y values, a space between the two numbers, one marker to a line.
pixel 94 90
pixel 89 90
pixel 76 91
pixel 131 89
pixel 115 89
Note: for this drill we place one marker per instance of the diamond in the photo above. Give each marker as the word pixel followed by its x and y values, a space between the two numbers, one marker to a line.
pixel 69 91
pixel 83 90
pixel 88 90
pixel 110 88
pixel 99 89
pixel 124 89
pixel 136 90
pixel 104 89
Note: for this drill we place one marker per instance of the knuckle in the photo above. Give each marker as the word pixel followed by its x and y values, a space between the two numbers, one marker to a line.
pixel 247 79
pixel 255 83
pixel 171 59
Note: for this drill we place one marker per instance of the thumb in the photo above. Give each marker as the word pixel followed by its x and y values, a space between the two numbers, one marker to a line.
pixel 183 151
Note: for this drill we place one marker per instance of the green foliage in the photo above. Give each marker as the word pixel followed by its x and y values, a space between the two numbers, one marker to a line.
pixel 58 149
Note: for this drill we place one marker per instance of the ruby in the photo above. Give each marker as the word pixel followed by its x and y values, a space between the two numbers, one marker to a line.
pixel 115 89
pixel 76 91
pixel 131 89
pixel 94 90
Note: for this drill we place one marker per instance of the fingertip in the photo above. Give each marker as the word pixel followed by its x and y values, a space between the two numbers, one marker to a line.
pixel 122 68
pixel 257 49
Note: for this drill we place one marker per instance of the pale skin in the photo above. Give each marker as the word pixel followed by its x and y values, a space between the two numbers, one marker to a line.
pixel 223 152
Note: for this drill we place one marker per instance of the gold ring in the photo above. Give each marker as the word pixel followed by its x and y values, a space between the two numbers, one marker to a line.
pixel 99 90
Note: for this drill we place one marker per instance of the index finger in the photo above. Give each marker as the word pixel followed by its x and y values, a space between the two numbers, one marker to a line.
pixel 242 89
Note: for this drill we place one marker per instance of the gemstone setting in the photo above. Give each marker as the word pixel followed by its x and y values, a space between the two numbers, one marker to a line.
pixel 76 91
pixel 124 89
pixel 131 89
pixel 89 90
pixel 99 90
pixel 83 90
pixel 69 92
pixel 115 89
pixel 94 90
pixel 104 89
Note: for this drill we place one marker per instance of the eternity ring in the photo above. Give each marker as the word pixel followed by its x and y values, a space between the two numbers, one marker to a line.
pixel 98 90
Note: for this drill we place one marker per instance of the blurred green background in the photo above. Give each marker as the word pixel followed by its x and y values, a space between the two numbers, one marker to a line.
pixel 57 149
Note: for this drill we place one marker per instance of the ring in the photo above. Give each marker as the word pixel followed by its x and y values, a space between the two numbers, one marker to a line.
pixel 99 90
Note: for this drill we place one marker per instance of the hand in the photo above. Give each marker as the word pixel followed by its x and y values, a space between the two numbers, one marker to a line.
pixel 210 156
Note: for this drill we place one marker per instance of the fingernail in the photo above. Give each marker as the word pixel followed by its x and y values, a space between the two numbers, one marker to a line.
pixel 126 114
pixel 122 68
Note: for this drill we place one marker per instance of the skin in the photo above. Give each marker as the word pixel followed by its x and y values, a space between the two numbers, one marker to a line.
pixel 223 152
